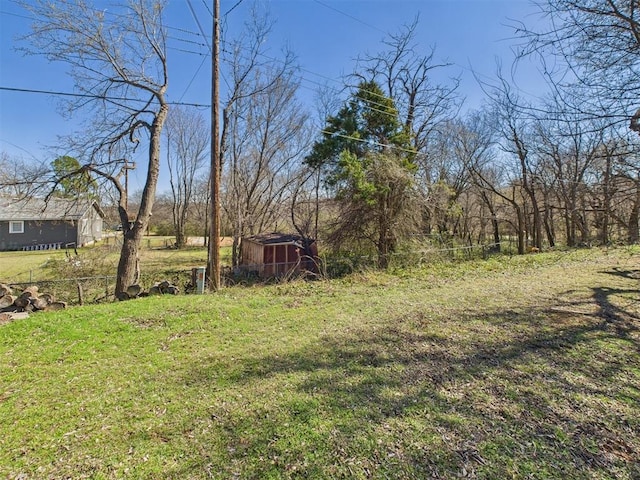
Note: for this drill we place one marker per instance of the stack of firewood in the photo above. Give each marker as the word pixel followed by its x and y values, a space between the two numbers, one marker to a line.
pixel 29 300
pixel 159 288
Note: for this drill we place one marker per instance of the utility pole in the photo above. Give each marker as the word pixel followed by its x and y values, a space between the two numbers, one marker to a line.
pixel 127 166
pixel 214 232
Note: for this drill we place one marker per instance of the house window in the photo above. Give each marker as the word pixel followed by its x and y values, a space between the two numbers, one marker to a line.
pixel 16 226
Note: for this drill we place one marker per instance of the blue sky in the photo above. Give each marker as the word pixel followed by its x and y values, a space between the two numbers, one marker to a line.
pixel 326 36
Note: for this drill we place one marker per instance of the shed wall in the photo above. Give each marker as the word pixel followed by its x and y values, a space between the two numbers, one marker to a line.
pixel 270 260
pixel 89 228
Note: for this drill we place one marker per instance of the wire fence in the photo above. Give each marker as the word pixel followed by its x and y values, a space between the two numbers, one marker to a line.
pixel 101 288
pixel 73 291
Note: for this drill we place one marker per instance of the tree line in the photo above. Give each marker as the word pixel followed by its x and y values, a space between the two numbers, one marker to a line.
pixel 396 162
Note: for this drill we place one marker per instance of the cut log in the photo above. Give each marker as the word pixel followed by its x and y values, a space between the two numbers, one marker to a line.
pixel 172 290
pixel 33 290
pixel 22 301
pixel 39 303
pixel 155 290
pixel 134 290
pixel 7 300
pixel 56 306
pixel 123 296
pixel 5 290
pixel 47 297
pixel 28 295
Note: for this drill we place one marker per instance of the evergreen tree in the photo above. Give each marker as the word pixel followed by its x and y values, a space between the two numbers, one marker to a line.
pixel 367 159
pixel 72 181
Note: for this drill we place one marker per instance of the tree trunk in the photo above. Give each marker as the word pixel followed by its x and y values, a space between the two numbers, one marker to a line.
pixel 496 232
pixel 537 220
pixel 235 250
pixel 521 234
pixel 129 264
pixel 181 239
pixel 569 226
pixel 606 202
pixel 494 221
pixel 633 233
pixel 549 230
pixel 386 243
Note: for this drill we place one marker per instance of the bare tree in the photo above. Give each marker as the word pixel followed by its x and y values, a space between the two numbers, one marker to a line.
pixel 472 145
pixel 515 121
pixel 625 192
pixel 598 45
pixel 20 178
pixel 569 146
pixel 445 171
pixel 606 162
pixel 305 203
pixel 119 65
pixel 202 204
pixel 407 73
pixel 264 135
pixel 188 143
pixel 407 76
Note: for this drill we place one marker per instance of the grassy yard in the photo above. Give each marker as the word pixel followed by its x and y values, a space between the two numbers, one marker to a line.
pixel 154 256
pixel 25 266
pixel 521 367
pixel 59 272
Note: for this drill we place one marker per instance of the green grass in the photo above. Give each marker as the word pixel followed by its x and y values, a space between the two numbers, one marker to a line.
pixel 521 367
pixel 59 272
pixel 21 266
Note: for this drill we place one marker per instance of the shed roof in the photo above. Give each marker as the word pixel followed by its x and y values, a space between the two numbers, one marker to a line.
pixel 28 209
pixel 276 238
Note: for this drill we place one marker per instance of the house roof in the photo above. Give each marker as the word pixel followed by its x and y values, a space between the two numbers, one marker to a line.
pixel 28 209
pixel 276 238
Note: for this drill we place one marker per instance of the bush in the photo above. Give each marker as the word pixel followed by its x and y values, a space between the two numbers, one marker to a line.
pixel 89 262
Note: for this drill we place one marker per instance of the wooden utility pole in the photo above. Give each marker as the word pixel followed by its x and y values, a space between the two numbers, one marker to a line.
pixel 214 232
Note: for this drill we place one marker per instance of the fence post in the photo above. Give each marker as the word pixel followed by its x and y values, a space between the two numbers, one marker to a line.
pixel 80 294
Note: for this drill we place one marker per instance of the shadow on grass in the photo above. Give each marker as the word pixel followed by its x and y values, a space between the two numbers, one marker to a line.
pixel 535 392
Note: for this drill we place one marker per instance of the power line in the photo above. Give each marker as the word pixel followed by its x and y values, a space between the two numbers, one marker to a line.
pixel 195 18
pixel 371 142
pixel 121 16
pixel 349 16
pixel 192 79
pixel 208 46
pixel 372 104
pixel 206 5
pixel 94 96
pixel 232 8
